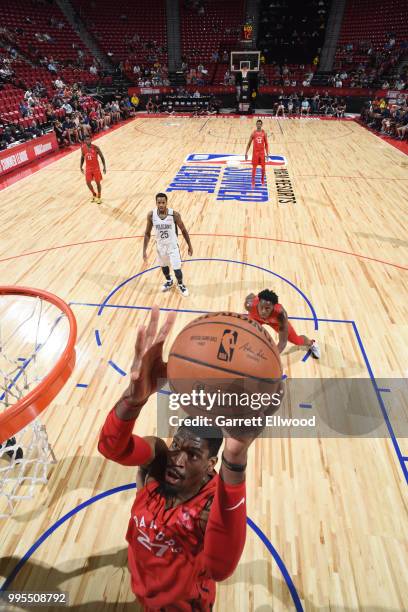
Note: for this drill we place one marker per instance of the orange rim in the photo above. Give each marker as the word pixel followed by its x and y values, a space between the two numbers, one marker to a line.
pixel 16 417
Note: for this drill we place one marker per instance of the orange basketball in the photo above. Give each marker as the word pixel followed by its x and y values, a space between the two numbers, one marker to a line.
pixel 224 350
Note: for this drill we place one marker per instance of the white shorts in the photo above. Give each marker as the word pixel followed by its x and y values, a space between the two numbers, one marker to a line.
pixel 169 258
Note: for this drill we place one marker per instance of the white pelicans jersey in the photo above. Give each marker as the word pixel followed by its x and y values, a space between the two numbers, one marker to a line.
pixel 166 231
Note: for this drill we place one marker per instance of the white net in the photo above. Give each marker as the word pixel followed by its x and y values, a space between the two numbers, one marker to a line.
pixel 33 335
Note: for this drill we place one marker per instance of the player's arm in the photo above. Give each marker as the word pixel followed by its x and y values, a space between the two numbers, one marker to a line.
pixel 180 224
pixel 283 330
pixel 225 532
pixel 248 145
pixel 116 440
pixel 249 301
pixel 100 154
pixel 82 162
pixel 147 234
pixel 266 145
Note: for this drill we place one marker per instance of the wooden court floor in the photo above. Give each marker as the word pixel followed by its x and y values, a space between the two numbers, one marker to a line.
pixel 333 511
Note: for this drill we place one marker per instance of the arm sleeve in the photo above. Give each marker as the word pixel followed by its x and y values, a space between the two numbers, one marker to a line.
pixel 226 530
pixel 116 442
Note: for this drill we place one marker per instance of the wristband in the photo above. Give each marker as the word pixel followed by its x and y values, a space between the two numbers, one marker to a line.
pixel 234 467
pixel 129 404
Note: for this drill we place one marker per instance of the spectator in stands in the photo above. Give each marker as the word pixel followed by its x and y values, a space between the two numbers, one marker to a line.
pixel 68 126
pixel 52 67
pixel 60 134
pixel 34 130
pixel 305 107
pixel 341 107
pixel 135 101
pixel 23 108
pixel 149 105
pixel 67 108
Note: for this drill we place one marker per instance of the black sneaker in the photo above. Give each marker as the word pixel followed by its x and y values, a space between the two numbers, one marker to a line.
pixel 167 285
pixel 183 290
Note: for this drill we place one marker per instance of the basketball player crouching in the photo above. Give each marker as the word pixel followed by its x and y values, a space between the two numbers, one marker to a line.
pixel 165 221
pixel 265 309
pixel 188 523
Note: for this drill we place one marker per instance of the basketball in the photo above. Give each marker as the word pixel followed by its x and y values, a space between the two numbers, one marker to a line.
pixel 226 352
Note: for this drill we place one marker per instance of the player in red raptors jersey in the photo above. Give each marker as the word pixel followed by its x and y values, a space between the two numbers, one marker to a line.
pixel 188 523
pixel 90 154
pixel 260 150
pixel 265 309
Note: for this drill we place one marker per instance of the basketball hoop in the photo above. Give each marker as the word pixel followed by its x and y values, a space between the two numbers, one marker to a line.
pixel 37 356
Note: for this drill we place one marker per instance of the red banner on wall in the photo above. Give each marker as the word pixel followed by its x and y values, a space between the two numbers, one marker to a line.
pixel 21 155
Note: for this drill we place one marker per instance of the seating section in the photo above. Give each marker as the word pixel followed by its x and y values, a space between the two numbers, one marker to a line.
pixel 127 30
pixel 218 28
pixel 292 31
pixel 31 19
pixel 372 39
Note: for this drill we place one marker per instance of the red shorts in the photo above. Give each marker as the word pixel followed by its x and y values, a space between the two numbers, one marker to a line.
pixel 93 174
pixel 258 158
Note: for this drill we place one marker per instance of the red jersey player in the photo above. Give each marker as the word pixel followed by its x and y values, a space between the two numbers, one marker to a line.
pixel 90 154
pixel 260 150
pixel 188 523
pixel 265 309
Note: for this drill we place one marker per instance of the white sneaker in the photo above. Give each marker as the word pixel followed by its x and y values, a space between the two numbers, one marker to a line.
pixel 183 290
pixel 167 285
pixel 315 350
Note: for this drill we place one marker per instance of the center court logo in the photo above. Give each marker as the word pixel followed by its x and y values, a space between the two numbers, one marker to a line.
pixel 231 160
pixel 201 173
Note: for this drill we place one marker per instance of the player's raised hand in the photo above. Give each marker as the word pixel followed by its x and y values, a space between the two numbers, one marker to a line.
pixel 148 365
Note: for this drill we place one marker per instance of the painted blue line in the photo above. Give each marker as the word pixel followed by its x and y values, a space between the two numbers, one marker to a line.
pixel 6 584
pixel 108 297
pixel 82 385
pixel 117 368
pixel 242 263
pixel 21 358
pixel 279 563
pixel 55 526
pixel 306 357
pixel 383 390
pixel 381 402
pixel 305 405
pixel 164 392
pixel 98 338
pixel 405 458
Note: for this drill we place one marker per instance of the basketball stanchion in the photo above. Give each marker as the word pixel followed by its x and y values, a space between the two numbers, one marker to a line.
pixel 37 356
